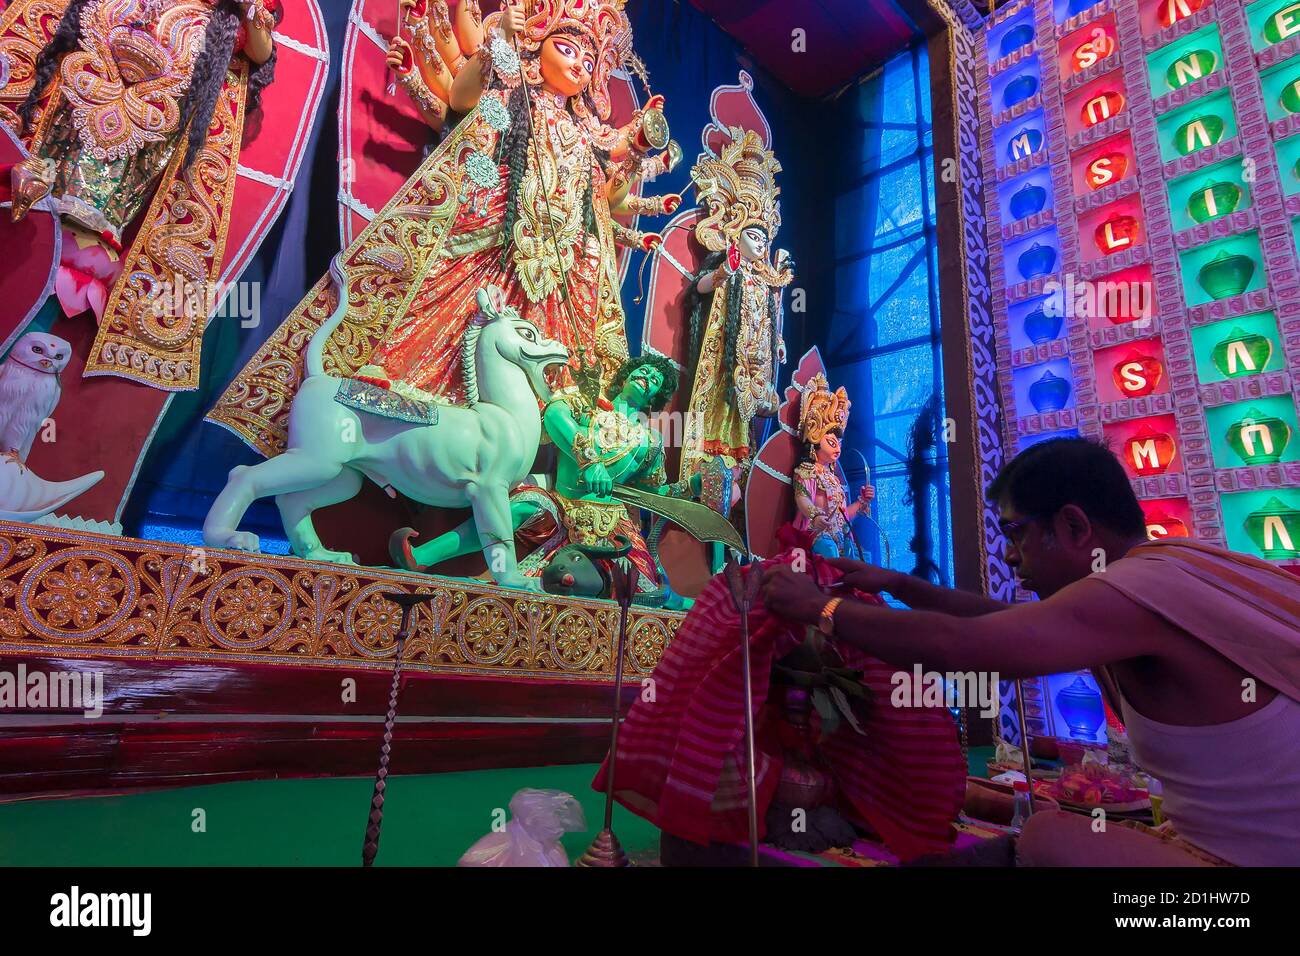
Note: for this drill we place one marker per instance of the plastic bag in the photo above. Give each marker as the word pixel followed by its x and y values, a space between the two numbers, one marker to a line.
pixel 539 818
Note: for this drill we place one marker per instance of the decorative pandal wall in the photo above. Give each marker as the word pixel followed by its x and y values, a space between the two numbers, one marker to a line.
pixel 75 594
pixel 218 665
pixel 1142 196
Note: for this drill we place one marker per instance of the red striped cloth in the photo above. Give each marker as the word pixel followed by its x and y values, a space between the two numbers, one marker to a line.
pixel 681 750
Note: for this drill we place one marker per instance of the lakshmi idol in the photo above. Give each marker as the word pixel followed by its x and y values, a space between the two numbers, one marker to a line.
pixel 126 106
pixel 519 195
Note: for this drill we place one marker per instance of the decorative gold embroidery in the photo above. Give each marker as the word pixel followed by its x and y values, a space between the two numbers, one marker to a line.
pixel 738 190
pixel 551 200
pixel 723 401
pixel 125 83
pixel 386 265
pixel 826 484
pixel 67 593
pixel 591 522
pixel 100 195
pixel 153 323
pixel 752 376
pixel 394 267
pixel 821 410
pixel 611 323
pixel 25 27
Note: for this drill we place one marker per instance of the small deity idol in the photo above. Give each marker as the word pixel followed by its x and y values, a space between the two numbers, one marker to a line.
pixel 735 320
pixel 819 495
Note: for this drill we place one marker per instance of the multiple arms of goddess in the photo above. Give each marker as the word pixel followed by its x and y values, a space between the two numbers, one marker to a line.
pixel 623 201
pixel 495 56
pixel 436 71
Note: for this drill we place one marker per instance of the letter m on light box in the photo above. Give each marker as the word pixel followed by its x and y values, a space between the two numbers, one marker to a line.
pixel 1145 454
pixel 1020 146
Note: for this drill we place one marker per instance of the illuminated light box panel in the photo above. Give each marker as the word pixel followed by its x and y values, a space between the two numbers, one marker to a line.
pixel 1142 171
pixel 1142 193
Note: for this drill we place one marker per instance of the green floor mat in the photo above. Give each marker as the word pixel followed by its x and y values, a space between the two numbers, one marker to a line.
pixel 429 820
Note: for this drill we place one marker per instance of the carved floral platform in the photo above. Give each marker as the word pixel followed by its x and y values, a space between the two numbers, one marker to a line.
pixel 219 665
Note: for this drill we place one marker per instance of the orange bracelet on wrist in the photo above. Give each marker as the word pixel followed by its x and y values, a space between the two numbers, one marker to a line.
pixel 826 620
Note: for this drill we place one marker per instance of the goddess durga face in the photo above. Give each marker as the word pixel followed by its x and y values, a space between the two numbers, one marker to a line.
pixel 568 63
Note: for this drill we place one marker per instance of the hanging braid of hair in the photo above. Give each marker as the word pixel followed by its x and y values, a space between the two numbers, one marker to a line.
pixel 735 292
pixel 589 205
pixel 512 152
pixel 262 76
pixel 64 41
pixel 773 313
pixel 200 100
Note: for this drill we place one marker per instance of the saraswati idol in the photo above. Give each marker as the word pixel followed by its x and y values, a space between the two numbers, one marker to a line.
pixel 519 195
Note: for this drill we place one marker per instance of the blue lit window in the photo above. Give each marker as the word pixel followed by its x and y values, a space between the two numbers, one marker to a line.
pixel 883 338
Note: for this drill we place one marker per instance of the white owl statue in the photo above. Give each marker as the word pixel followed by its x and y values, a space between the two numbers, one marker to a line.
pixel 29 392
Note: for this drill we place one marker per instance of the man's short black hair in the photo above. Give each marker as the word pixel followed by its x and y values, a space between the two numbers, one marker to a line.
pixel 1046 477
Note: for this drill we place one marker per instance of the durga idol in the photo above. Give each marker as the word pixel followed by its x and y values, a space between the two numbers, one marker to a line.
pixel 520 195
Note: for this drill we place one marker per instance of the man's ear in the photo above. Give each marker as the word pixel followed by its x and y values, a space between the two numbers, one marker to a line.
pixel 1074 524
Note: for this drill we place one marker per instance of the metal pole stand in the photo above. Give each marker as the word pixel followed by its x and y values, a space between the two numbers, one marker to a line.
pixel 605 851
pixel 407 602
pixel 1024 743
pixel 743 591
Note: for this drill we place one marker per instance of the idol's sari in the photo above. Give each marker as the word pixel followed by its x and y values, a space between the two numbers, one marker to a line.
pixel 414 272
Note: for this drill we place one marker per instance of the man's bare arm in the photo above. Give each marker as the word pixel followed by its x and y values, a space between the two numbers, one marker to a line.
pixel 1086 625
pixel 923 596
pixel 916 592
